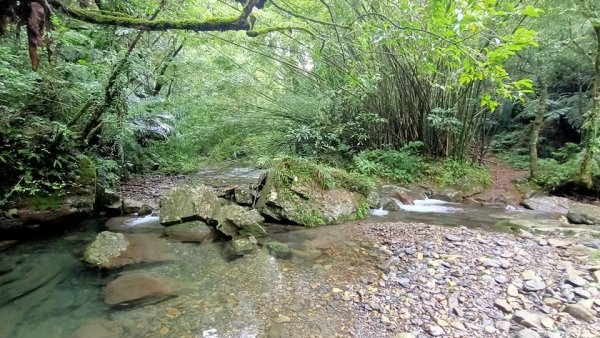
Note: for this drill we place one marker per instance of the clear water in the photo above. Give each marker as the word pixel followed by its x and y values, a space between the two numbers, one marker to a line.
pixel 46 291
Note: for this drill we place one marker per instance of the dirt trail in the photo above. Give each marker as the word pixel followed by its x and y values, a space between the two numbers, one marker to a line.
pixel 503 188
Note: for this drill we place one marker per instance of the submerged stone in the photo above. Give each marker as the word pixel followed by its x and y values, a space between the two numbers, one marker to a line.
pixel 279 250
pixel 195 231
pixel 243 246
pixel 114 250
pixel 139 288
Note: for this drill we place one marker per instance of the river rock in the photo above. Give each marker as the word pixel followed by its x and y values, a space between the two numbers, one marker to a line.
pixel 534 285
pixel 583 213
pixel 575 280
pixel 112 250
pixel 527 318
pixel 235 220
pixel 139 288
pixel 279 250
pixel 551 204
pixel 189 203
pixel 503 305
pixel 300 199
pixel 107 247
pixel 195 231
pixel 527 333
pixel 98 328
pixel 245 195
pixel 579 312
pixel 243 246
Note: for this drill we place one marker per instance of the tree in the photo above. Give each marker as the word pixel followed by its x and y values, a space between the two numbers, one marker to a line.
pixel 590 126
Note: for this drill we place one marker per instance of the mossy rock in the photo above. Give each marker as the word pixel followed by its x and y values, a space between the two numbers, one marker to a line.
pixel 308 194
pixel 234 220
pixel 243 246
pixel 105 248
pixel 279 250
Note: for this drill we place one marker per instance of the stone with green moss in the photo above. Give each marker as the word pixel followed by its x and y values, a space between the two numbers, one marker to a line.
pixel 279 250
pixel 243 246
pixel 309 194
pixel 234 219
pixel 105 248
pixel 189 203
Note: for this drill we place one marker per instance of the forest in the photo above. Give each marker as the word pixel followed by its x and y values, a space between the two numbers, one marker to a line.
pixel 397 90
pixel 138 132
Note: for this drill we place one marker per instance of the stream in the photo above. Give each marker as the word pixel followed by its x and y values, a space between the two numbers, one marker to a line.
pixel 48 292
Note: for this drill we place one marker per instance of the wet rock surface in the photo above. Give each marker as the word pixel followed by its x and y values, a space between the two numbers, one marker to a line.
pixel 139 288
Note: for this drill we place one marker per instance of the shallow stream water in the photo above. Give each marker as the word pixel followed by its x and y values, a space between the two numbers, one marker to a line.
pixel 48 292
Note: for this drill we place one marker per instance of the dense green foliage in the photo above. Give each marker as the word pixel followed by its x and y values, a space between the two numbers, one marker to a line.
pixel 390 89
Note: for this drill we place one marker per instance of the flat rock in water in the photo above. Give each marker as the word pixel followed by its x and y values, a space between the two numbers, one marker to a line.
pixel 115 250
pixel 98 328
pixel 139 288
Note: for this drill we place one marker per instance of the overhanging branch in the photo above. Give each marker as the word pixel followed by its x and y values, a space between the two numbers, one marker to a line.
pixel 233 23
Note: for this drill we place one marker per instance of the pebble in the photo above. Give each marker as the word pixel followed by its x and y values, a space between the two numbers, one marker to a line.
pixel 405 282
pixel 547 322
pixel 503 325
pixel 512 290
pixel 527 333
pixel 527 318
pixel 435 330
pixel 579 312
pixel 575 280
pixel 582 293
pixel 282 319
pixel 454 238
pixel 534 285
pixel 552 302
pixel 528 275
pixel 503 305
pixel 500 279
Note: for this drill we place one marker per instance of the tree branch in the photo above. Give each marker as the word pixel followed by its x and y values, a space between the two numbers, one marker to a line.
pixel 232 23
pixel 262 31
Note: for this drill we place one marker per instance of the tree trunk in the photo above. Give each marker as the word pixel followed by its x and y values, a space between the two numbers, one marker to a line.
pixel 590 125
pixel 535 130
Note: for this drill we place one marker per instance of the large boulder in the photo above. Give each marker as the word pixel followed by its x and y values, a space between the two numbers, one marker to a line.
pixel 195 231
pixel 139 288
pixel 301 192
pixel 188 203
pixel 582 213
pixel 553 204
pixel 52 213
pixel 234 220
pixel 112 250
